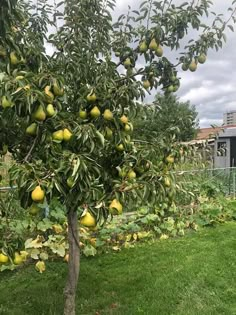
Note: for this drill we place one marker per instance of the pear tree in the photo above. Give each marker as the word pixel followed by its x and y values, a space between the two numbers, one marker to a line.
pixel 66 116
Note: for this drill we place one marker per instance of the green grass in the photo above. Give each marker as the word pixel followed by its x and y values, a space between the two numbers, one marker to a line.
pixel 190 275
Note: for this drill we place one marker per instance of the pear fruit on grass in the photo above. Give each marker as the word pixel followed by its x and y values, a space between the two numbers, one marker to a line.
pixel 58 136
pixel 18 259
pixel 31 130
pixel 115 207
pixel 67 135
pixel 39 114
pixel 170 159
pixel 95 112
pixel 108 114
pixel 3 259
pixel 88 220
pixel 38 194
pixel 50 110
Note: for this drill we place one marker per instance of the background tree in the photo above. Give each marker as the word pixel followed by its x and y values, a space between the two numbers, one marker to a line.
pixel 67 118
pixel 167 115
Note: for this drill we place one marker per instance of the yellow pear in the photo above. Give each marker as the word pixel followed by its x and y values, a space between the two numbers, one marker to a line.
pixel 67 135
pixel 127 62
pixel 91 97
pixel 40 266
pixel 49 97
pixel 193 66
pixel 13 58
pixel 167 182
pixel 131 175
pixel 6 102
pixel 120 147
pixel 108 114
pixel 95 112
pixel 146 84
pixel 115 207
pixel 40 114
pixel 82 114
pixel 3 258
pixel 57 90
pixel 153 44
pixel 88 220
pixel 18 259
pixel 34 209
pixel 37 194
pixel 32 129
pixel 170 159
pixel 50 110
pixel 143 47
pixel 124 119
pixel 58 136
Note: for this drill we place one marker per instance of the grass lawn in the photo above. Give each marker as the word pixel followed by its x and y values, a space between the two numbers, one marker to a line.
pixel 192 275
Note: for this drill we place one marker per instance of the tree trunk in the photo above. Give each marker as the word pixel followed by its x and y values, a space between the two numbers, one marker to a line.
pixel 73 264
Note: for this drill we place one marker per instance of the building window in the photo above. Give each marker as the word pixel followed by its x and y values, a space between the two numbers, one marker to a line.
pixel 221 148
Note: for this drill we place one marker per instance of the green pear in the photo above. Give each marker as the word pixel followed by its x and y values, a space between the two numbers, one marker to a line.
pixel 58 136
pixel 40 114
pixel 201 58
pixel 32 129
pixel 159 51
pixel 6 102
pixel 95 112
pixel 143 47
pixel 153 44
pixel 193 66
pixel 50 110
pixel 82 114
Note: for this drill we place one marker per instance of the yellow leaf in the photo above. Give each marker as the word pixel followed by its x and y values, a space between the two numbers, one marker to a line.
pixel 40 266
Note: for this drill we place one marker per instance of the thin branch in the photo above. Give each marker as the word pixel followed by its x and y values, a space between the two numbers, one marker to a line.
pixel 30 151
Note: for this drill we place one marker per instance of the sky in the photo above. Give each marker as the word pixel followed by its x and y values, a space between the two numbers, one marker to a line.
pixel 212 88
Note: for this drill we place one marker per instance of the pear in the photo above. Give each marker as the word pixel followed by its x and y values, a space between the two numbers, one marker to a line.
pixel 49 97
pixel 109 133
pixel 70 182
pixel 115 207
pixel 124 119
pixel 143 47
pixel 34 209
pixel 127 128
pixel 201 58
pixel 58 136
pixel 167 182
pixel 108 114
pixel 120 147
pixel 91 97
pixel 193 66
pixel 88 220
pixel 13 58
pixel 3 258
pixel 40 266
pixel 146 84
pixel 170 159
pixel 57 90
pixel 127 62
pixel 170 89
pixel 95 112
pixel 184 67
pixel 6 102
pixel 82 114
pixel 32 129
pixel 153 44
pixel 17 259
pixel 131 175
pixel 50 110
pixel 37 194
pixel 159 51
pixel 67 135
pixel 3 52
pixel 40 114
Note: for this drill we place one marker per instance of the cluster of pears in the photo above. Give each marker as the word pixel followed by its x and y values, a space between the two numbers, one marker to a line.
pixel 153 46
pixel 62 135
pixel 130 175
pixel 18 258
pixel 172 84
pixel 192 66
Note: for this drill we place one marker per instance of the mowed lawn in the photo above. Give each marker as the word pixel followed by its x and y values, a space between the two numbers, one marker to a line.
pixel 192 275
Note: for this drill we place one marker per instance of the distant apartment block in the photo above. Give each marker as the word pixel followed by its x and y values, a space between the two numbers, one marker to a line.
pixel 229 118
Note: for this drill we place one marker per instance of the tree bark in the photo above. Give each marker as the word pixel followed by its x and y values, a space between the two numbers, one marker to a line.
pixel 73 264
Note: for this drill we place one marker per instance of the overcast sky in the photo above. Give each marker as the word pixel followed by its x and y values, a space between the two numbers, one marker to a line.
pixel 212 88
